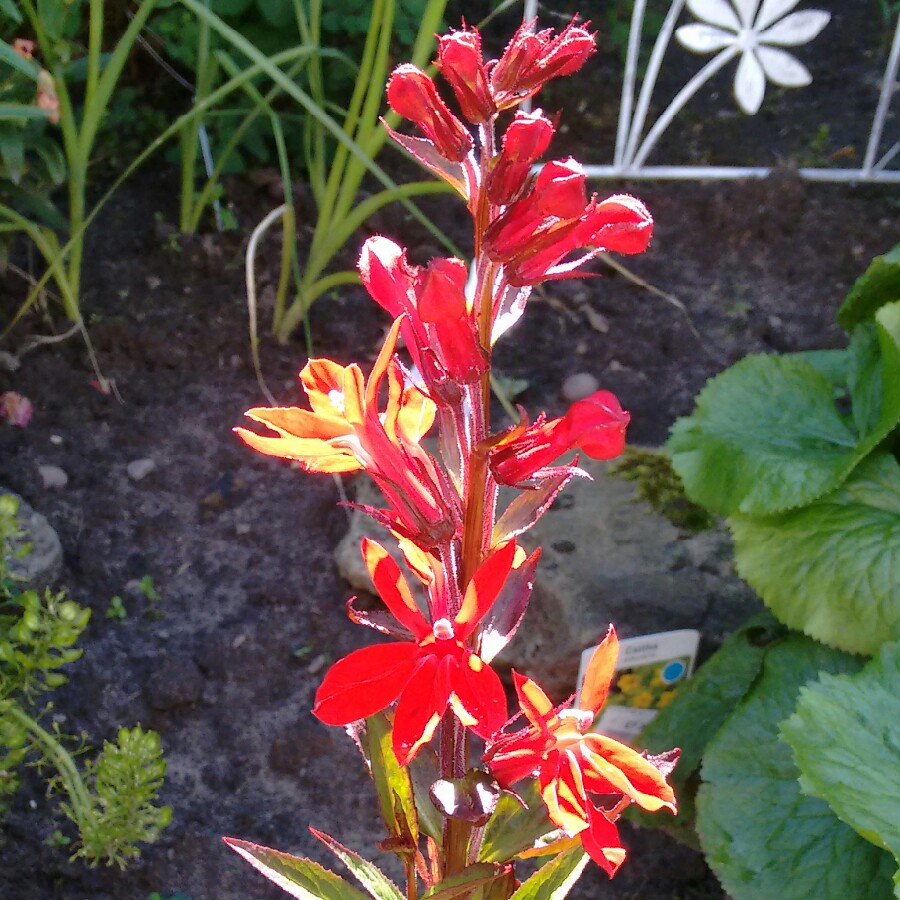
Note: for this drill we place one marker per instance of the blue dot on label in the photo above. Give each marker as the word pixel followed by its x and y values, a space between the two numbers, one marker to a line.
pixel 673 671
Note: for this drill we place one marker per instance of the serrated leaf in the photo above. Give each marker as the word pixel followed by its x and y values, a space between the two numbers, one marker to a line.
pixel 765 435
pixel 366 873
pixel 879 285
pixel 299 877
pixel 762 836
pixel 832 568
pixel 514 828
pixel 392 782
pixel 464 883
pixel 845 735
pixel 554 880
pixel 703 704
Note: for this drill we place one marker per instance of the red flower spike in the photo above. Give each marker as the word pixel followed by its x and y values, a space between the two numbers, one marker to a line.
pixel 571 763
pixel 525 141
pixel 532 58
pixel 595 425
pixel 460 62
pixel 429 674
pixel 413 95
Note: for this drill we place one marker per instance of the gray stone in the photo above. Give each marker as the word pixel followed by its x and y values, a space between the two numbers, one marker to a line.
pixel 42 566
pixel 607 558
pixel 138 469
pixel 53 477
pixel 177 682
pixel 579 386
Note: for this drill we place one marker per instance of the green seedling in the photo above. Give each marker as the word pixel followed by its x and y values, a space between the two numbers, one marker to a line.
pixel 116 609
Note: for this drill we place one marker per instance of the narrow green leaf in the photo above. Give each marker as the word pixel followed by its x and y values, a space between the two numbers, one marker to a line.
pixel 554 880
pixel 514 828
pixel 832 568
pixel 879 285
pixel 299 877
pixel 26 66
pixel 367 874
pixel 845 735
pixel 9 8
pixel 392 782
pixel 13 112
pixel 761 835
pixel 464 883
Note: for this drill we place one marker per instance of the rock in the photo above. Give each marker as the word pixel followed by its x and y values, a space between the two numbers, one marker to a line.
pixel 579 386
pixel 53 477
pixel 41 567
pixel 138 469
pixel 607 557
pixel 176 682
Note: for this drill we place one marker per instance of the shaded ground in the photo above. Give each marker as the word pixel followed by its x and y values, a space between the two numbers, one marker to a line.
pixel 240 547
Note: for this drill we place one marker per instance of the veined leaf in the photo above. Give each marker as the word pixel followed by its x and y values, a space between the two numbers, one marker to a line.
pixel 464 883
pixel 366 873
pixel 514 828
pixel 845 736
pixel 299 877
pixel 879 285
pixel 832 568
pixel 762 836
pixel 392 782
pixel 554 880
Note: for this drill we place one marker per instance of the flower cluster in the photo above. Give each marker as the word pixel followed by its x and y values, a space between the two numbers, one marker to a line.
pixel 442 504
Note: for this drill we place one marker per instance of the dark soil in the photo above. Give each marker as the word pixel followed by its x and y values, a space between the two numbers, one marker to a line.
pixel 240 547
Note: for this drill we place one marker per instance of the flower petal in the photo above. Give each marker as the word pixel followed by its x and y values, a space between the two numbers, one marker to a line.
pixel 699 38
pixel 795 29
pixel 421 705
pixel 716 12
pixel 562 789
pixel 533 701
pixel 365 682
pixel 772 11
pixel 600 672
pixel 749 83
pixel 480 693
pixel 601 841
pixel 393 589
pixel 502 621
pixel 483 589
pixel 783 68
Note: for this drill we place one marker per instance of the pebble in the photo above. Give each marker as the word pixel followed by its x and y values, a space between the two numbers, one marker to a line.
pixel 139 469
pixel 56 440
pixel 53 477
pixel 177 682
pixel 579 386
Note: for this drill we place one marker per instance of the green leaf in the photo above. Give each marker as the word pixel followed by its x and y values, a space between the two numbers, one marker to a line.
pixel 299 877
pixel 26 66
pixel 700 709
pixel 845 736
pixel 9 8
pixel 832 568
pixel 393 783
pixel 554 880
pixel 367 874
pixel 514 828
pixel 762 837
pixel 463 883
pixel 879 285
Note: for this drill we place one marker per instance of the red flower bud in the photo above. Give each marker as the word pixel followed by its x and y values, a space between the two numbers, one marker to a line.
pixel 532 58
pixel 413 95
pixel 460 62
pixel 526 139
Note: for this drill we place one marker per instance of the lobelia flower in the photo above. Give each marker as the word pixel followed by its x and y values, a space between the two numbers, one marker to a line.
pixel 344 432
pixel 461 63
pixel 526 139
pixel 535 234
pixel 413 95
pixel 435 670
pixel 572 763
pixel 532 58
pixel 438 326
pixel 757 29
pixel 595 425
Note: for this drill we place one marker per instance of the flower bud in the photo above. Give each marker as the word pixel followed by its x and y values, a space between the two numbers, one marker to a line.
pixel 413 95
pixel 525 140
pixel 460 62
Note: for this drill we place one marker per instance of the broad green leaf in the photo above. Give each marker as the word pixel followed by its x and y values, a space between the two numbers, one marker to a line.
pixel 554 880
pixel 514 828
pixel 762 836
pixel 464 883
pixel 845 736
pixel 879 285
pixel 703 704
pixel 392 782
pixel 367 874
pixel 832 569
pixel 299 877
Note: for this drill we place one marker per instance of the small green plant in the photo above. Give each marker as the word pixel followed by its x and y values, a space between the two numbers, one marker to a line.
pixel 111 797
pixel 116 609
pixel 148 590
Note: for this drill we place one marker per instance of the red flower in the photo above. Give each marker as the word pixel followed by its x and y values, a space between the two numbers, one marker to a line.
pixel 571 763
pixel 532 58
pixel 460 62
pixel 412 94
pixel 524 141
pixel 429 673
pixel 595 425
pixel 438 325
pixel 537 232
pixel 345 431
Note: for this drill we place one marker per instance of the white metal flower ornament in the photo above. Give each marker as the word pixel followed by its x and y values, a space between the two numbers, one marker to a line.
pixel 756 30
